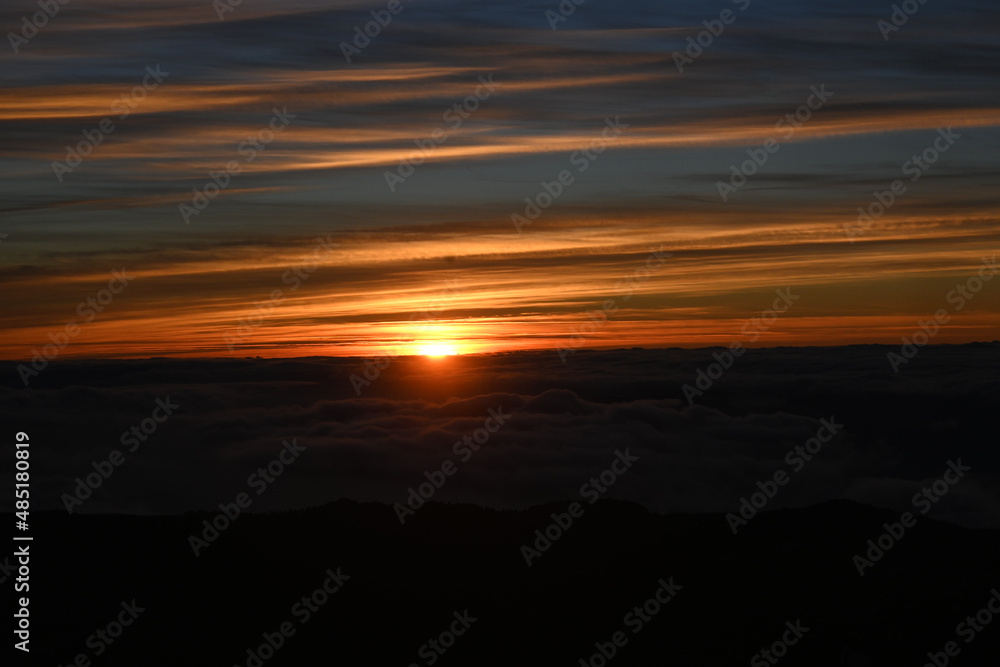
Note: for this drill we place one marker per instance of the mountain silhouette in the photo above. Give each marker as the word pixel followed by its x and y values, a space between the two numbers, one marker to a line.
pixel 401 586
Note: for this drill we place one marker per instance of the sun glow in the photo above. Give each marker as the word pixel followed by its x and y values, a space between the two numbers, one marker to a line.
pixel 437 350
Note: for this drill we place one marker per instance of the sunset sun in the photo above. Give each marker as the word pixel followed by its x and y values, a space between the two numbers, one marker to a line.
pixel 438 350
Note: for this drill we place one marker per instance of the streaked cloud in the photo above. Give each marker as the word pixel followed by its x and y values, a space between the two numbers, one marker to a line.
pixel 654 186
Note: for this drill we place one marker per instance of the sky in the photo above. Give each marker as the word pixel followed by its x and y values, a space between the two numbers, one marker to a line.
pixel 320 241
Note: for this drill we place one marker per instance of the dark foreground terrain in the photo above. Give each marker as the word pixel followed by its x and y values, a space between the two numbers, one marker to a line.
pixel 732 596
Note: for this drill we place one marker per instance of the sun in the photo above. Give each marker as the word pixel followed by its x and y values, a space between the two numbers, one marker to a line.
pixel 437 350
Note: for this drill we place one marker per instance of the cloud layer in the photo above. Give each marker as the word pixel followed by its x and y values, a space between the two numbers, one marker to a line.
pixel 566 423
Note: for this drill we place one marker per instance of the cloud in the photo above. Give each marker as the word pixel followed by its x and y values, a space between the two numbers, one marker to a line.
pixel 566 423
